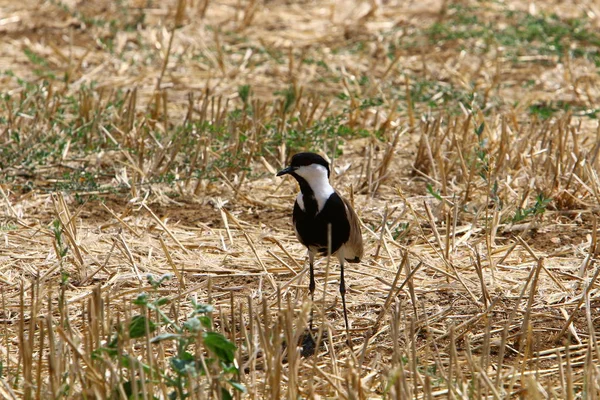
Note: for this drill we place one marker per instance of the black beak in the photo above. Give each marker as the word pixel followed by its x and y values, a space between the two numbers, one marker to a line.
pixel 286 171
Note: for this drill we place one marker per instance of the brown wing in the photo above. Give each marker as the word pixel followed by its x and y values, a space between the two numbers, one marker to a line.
pixel 353 248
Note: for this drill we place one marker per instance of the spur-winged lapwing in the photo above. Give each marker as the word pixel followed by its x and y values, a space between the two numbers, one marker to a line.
pixel 317 206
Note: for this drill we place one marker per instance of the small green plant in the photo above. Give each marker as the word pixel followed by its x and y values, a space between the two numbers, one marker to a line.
pixel 7 227
pixel 77 182
pixel 546 110
pixel 433 192
pixel 542 110
pixel 289 96
pixel 244 93
pixel 203 356
pixel 401 230
pixel 442 95
pixel 43 69
pixel 60 247
pixel 35 58
pixel 371 102
pixel 495 196
pixel 481 152
pixel 541 202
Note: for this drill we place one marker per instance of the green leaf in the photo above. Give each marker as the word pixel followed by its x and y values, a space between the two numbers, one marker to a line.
pixel 137 326
pixel 225 395
pixel 479 130
pixel 203 308
pixel 206 321
pixel 237 386
pixel 129 362
pixel 184 364
pixel 161 302
pixel 165 336
pixel 289 99
pixel 141 300
pixel 433 192
pixel 229 368
pixel 220 345
pixel 97 354
pixel 193 324
pixel 128 388
pixel 157 282
pixel 244 92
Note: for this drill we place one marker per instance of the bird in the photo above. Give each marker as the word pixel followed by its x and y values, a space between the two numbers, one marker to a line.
pixel 319 206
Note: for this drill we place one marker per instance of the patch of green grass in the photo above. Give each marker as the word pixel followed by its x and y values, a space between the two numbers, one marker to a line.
pixel 244 93
pixel 370 102
pixel 75 125
pixel 525 34
pixel 437 95
pixel 401 231
pixel 274 54
pixel 520 35
pixel 320 63
pixel 64 123
pixel 78 125
pixel 35 58
pixel 42 67
pixel 354 47
pixel 546 110
pixel 328 133
pixel 461 23
pixel 289 98
pixel 125 19
pixel 542 110
pixel 82 181
pixel 7 227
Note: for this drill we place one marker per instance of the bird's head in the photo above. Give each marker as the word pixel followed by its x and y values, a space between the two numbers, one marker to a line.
pixel 309 166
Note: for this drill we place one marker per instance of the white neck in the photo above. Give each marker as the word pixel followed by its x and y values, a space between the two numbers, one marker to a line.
pixel 316 177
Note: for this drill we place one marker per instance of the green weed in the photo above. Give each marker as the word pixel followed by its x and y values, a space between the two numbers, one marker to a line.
pixel 541 202
pixel 203 358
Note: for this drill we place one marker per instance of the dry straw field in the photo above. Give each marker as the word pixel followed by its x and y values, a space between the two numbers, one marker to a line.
pixel 146 247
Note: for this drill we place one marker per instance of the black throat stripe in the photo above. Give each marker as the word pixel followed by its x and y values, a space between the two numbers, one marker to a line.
pixel 311 207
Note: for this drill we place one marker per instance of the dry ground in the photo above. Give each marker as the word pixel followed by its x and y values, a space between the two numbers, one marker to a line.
pixel 142 138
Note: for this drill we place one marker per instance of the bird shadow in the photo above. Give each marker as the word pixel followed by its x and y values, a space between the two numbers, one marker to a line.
pixel 308 343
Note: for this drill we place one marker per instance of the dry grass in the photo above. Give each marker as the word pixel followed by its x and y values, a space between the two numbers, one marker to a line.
pixel 142 139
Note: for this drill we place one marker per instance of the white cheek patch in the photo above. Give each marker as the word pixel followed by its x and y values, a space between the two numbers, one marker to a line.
pixel 316 177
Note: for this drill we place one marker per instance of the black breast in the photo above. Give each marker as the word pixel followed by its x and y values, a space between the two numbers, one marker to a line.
pixel 312 226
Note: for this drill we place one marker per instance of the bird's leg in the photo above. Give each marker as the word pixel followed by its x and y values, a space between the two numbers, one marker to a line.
pixel 343 293
pixel 311 287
